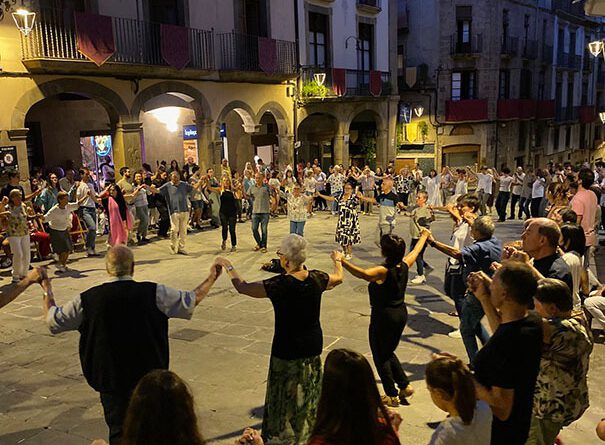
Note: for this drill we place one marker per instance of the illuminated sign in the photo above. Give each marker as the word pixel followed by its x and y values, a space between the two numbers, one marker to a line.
pixel 189 132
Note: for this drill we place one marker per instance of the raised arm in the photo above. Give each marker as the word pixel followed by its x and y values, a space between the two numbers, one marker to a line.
pixel 326 197
pixel 377 273
pixel 479 283
pixel 444 248
pixel 254 289
pixel 410 258
pixel 32 277
pixel 365 198
pixel 337 276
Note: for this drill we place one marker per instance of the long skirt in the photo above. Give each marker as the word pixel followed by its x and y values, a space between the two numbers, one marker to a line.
pixel 293 389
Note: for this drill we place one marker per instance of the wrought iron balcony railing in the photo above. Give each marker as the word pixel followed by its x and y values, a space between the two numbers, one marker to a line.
pixel 459 47
pixel 356 82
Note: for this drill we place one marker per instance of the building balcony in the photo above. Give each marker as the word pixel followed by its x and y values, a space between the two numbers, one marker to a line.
pixel 52 47
pixel 370 6
pixel 466 110
pixel 473 48
pixel 509 109
pixel 587 114
pixel 509 47
pixel 566 114
pixel 342 83
pixel 545 109
pixel 529 50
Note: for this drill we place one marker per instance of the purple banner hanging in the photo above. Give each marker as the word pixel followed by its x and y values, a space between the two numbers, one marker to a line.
pixel 175 45
pixel 267 55
pixel 94 36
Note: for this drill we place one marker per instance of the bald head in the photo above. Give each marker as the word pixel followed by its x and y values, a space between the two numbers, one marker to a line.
pixel 119 261
pixel 540 237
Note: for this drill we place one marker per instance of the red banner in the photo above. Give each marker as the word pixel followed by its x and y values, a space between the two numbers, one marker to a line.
pixel 375 83
pixel 94 36
pixel 175 45
pixel 267 55
pixel 339 81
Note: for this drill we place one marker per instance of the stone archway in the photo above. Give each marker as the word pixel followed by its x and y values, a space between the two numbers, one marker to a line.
pixel 285 139
pixel 110 100
pixel 241 127
pixel 245 113
pixel 368 137
pixel 199 104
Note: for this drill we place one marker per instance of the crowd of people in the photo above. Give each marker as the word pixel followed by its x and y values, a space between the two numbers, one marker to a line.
pixel 523 384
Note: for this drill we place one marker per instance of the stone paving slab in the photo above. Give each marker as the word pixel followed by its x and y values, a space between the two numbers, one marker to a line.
pixel 223 351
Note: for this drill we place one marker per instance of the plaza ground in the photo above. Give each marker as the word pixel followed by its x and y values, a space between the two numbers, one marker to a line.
pixel 223 352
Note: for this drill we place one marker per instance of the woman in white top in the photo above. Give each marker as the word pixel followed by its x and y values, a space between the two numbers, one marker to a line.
pixel 310 188
pixel 432 182
pixel 573 243
pixel 506 181
pixel 452 390
pixel 461 184
pixel 537 193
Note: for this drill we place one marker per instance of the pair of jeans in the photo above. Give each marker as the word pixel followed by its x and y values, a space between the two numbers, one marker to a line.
pixel 454 287
pixel 335 195
pixel 89 216
pixel 297 227
pixel 524 207
pixel 513 204
pixel 501 203
pixel 228 223
pixel 383 229
pixel 261 219
pixel 420 263
pixel 115 406
pixel 483 198
pixel 142 214
pixel 471 327
pixel 386 327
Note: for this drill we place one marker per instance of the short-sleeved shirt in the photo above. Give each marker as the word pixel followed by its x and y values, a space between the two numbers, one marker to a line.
pixel 511 360
pixel 388 207
pixel 60 218
pixel 176 196
pixel 505 183
pixel 484 182
pixel 127 188
pixel 453 431
pixel 537 188
pixel 480 255
pixel 584 203
pixel 297 305
pixel 297 208
pixel 83 190
pixel 419 217
pixel 17 221
pixel 228 205
pixel 337 182
pixel 554 266
pixel 461 237
pixel 260 194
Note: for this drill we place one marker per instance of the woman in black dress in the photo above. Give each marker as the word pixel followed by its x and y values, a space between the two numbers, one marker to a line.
pixel 389 313
pixel 228 213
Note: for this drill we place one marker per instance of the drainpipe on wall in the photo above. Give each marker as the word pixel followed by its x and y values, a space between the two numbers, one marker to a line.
pixel 296 89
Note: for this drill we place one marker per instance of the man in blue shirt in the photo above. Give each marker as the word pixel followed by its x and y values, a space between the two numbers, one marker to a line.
pixel 475 258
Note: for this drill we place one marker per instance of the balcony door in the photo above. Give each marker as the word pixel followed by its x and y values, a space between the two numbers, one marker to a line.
pixel 464 16
pixel 319 40
pixel 169 12
pixel 252 17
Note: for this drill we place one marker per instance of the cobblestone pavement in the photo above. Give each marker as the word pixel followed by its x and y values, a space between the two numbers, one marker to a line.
pixel 223 351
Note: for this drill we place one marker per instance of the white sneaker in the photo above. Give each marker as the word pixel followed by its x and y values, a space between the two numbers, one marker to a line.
pixel 348 256
pixel 455 334
pixel 420 279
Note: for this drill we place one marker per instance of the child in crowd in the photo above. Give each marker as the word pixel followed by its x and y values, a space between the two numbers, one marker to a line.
pixel 452 390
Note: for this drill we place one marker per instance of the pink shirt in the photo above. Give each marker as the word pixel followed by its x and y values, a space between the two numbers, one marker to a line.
pixel 584 203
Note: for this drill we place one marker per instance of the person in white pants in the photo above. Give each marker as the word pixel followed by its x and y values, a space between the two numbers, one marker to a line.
pixel 17 234
pixel 596 307
pixel 176 192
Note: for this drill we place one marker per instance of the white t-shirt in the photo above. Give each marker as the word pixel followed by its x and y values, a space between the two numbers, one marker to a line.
pixel 575 263
pixel 505 183
pixel 82 191
pixel 461 237
pixel 484 182
pixel 60 219
pixel 452 431
pixel 518 180
pixel 537 188
pixel 461 187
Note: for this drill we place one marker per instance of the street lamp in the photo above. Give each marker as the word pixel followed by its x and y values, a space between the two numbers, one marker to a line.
pixel 419 110
pixel 602 116
pixel 24 20
pixel 596 47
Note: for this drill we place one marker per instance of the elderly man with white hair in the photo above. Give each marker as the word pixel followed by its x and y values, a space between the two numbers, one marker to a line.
pixel 295 365
pixel 337 183
pixel 123 328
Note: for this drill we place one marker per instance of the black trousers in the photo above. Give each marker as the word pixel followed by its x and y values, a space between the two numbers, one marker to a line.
pixel 515 199
pixel 228 223
pixel 115 406
pixel 163 221
pixel 404 198
pixel 524 207
pixel 386 327
pixel 535 207
pixel 501 203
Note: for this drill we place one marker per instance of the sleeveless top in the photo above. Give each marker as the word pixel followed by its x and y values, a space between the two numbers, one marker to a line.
pixel 391 293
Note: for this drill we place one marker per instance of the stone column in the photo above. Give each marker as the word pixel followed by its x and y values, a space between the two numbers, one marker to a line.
pixel 205 143
pixel 286 149
pixel 382 148
pixel 18 137
pixel 341 149
pixel 127 146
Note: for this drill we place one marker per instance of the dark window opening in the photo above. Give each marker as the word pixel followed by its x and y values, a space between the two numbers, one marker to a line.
pixel 318 40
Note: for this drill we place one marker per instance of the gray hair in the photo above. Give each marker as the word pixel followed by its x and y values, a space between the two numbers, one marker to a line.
pixel 485 226
pixel 294 249
pixel 119 261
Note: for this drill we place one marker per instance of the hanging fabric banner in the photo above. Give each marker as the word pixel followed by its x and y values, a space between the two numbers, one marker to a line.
pixel 94 36
pixel 339 81
pixel 267 55
pixel 375 83
pixel 175 45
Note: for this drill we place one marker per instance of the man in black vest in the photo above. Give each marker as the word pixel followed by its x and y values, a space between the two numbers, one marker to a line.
pixel 123 328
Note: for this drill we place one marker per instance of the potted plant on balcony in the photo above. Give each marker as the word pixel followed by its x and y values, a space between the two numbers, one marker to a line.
pixel 423 129
pixel 312 90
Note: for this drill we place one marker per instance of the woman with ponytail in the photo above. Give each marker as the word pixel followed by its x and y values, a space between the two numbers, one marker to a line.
pixel 452 390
